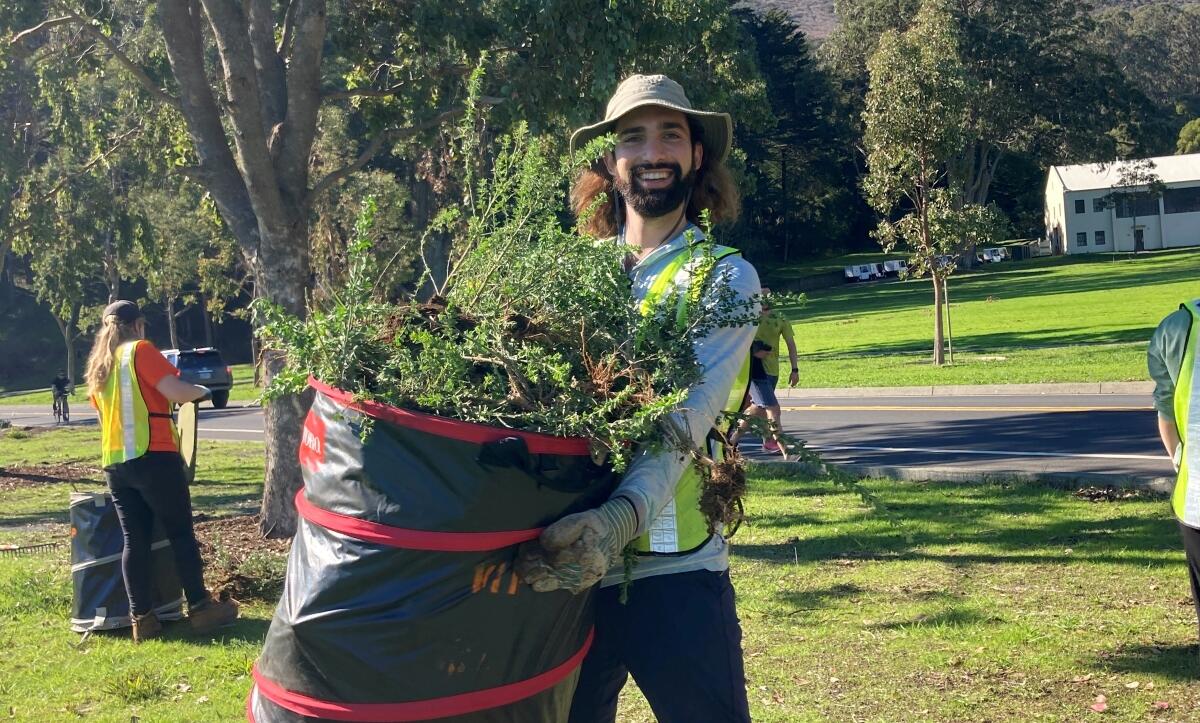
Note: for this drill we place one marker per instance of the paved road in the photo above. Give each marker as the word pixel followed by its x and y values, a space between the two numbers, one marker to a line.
pixel 233 422
pixel 1070 434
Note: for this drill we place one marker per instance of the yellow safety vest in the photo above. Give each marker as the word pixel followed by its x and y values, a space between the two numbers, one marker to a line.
pixel 680 527
pixel 124 419
pixel 1185 500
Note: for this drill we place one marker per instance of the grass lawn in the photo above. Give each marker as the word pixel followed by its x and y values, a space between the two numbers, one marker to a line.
pixel 1059 319
pixel 993 602
pixel 243 391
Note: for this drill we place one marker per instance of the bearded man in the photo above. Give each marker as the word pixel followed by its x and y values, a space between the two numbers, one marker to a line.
pixel 678 633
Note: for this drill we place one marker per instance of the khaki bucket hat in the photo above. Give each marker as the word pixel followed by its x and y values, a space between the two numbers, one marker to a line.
pixel 638 91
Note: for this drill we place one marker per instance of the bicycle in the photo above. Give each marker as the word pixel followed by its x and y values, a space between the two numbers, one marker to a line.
pixel 62 408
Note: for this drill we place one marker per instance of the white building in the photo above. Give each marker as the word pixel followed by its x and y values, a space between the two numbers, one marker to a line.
pixel 1082 217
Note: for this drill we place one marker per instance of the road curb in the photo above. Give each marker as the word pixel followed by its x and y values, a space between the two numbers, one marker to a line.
pixel 968 390
pixel 1064 480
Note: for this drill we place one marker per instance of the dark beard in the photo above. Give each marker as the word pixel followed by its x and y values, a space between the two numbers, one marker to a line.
pixel 653 204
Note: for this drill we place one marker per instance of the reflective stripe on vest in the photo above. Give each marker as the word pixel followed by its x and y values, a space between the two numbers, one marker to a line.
pixel 1185 500
pixel 124 419
pixel 680 526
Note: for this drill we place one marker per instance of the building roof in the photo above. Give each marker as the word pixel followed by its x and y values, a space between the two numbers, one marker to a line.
pixel 1096 176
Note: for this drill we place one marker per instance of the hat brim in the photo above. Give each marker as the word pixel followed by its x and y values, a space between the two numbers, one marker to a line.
pixel 718 129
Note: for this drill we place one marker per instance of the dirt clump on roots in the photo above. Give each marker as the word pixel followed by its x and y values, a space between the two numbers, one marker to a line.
pixel 238 560
pixel 14 476
pixel 721 499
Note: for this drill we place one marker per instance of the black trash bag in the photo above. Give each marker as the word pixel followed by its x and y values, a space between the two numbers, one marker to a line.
pixel 99 601
pixel 400 602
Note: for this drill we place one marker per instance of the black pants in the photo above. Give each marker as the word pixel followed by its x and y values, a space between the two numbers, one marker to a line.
pixel 680 639
pixel 1191 547
pixel 149 488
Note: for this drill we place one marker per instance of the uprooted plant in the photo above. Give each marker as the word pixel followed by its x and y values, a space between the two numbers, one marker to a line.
pixel 531 325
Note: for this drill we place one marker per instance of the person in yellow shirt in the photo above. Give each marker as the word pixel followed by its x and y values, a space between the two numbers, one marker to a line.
pixel 764 372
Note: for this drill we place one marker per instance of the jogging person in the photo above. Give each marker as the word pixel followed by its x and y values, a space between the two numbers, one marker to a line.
pixel 1172 358
pixel 130 384
pixel 764 372
pixel 678 634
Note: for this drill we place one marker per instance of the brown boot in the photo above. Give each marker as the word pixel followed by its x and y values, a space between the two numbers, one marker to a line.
pixel 212 614
pixel 145 627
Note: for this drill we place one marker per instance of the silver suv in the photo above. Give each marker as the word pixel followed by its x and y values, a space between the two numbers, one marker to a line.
pixel 204 366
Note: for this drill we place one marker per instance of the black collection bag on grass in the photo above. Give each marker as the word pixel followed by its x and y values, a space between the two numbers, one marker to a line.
pixel 400 603
pixel 99 601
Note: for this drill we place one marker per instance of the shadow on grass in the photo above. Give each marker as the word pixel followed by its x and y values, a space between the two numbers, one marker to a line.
pixel 951 617
pixel 1180 662
pixel 249 630
pixel 818 599
pixel 992 524
pixel 35 518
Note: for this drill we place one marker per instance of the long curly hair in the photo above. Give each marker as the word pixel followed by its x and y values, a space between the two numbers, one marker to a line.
pixel 715 191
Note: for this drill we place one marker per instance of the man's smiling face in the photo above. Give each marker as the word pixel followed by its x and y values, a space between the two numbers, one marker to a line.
pixel 654 163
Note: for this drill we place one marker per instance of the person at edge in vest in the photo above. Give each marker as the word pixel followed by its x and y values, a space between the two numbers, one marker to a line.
pixel 678 633
pixel 130 384
pixel 1172 359
pixel 764 374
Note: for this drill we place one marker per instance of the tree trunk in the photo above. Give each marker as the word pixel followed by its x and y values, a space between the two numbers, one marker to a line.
pixel 787 204
pixel 208 330
pixel 67 327
pixel 283 277
pixel 939 339
pixel 112 274
pixel 171 322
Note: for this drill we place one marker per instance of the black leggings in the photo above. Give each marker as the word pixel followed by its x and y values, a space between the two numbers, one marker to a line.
pixel 1191 547
pixel 147 489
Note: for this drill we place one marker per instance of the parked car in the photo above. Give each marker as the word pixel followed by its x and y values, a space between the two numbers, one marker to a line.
pixel 864 272
pixel 894 267
pixel 204 366
pixel 994 255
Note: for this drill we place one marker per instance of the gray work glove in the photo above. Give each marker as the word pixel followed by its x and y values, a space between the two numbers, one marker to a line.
pixel 575 552
pixel 1177 458
pixel 206 397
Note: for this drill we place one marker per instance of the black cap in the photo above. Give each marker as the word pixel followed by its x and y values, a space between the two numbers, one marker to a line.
pixel 125 311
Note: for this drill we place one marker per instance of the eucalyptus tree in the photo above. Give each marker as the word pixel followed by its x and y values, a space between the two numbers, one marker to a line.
pixel 249 79
pixel 920 92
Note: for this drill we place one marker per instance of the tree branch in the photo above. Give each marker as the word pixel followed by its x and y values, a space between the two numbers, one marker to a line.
pixel 70 177
pixel 230 28
pixel 376 145
pixel 303 99
pixel 289 21
pixel 181 26
pixel 134 69
pixel 22 36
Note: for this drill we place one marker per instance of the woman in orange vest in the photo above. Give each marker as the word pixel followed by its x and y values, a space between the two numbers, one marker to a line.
pixel 131 385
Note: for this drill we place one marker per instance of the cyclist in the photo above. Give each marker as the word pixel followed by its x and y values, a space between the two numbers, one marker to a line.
pixel 62 387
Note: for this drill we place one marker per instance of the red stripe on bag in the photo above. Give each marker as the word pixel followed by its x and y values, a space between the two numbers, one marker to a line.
pixel 453 428
pixel 410 539
pixel 419 710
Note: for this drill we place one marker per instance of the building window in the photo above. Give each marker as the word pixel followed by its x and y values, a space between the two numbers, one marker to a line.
pixel 1099 238
pixel 1080 206
pixel 1097 205
pixel 1129 205
pixel 1181 200
pixel 1081 238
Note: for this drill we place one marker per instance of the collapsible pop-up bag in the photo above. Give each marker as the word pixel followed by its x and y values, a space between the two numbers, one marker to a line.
pixel 99 601
pixel 400 602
